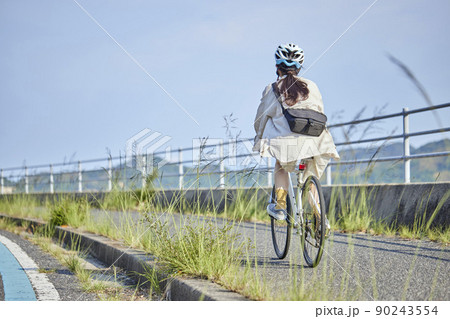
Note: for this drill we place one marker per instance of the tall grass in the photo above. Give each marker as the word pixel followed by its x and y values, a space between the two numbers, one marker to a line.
pixel 421 228
pixel 350 210
pixel 69 211
pixel 23 205
pixel 197 247
pixel 247 205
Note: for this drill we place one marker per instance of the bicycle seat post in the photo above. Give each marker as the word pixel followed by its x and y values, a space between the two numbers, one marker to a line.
pixel 300 170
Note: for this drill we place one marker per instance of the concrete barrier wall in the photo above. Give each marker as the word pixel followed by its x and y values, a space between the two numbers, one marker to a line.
pixel 401 203
pixel 393 203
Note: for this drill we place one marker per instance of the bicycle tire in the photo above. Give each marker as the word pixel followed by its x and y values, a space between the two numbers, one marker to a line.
pixel 281 230
pixel 313 231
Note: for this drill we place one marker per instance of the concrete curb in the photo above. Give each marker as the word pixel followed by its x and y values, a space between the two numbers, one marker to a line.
pixel 137 262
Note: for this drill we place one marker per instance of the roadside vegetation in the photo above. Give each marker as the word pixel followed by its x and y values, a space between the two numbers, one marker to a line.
pixel 349 210
pixel 198 245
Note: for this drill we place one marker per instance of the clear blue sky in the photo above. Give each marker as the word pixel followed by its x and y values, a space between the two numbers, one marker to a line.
pixel 66 87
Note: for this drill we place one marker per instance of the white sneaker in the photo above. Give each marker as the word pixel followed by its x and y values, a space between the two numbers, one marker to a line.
pixel 278 214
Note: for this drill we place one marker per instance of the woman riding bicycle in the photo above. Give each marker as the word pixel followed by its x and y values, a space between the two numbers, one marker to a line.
pixel 274 137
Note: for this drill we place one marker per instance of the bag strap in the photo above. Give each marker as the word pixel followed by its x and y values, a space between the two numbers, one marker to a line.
pixel 276 91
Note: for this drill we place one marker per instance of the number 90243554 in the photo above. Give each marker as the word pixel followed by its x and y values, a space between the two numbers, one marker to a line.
pixel 406 310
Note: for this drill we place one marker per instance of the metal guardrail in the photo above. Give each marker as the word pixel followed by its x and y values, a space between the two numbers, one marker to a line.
pixel 184 171
pixel 405 136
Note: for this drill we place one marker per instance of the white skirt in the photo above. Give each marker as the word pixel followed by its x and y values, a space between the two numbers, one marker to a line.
pixel 289 150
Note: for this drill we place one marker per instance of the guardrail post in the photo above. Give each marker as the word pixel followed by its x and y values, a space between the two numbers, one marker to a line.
pixel 125 174
pixel 2 191
pixel 80 178
pixel 180 169
pixel 222 166
pixel 52 185
pixel 144 170
pixel 109 174
pixel 406 150
pixel 269 172
pixel 26 180
pixel 329 175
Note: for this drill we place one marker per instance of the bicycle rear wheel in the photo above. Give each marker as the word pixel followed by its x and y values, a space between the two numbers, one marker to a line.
pixel 281 230
pixel 313 228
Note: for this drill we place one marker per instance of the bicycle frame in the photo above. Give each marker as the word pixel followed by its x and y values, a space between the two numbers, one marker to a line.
pixel 295 197
pixel 296 200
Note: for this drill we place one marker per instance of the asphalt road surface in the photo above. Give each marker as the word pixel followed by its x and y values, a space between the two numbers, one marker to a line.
pixel 353 266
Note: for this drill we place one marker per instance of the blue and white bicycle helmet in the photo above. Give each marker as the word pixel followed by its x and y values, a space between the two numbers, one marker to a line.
pixel 291 55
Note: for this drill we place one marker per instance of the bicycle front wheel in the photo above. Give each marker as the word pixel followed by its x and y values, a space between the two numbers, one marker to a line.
pixel 281 230
pixel 313 228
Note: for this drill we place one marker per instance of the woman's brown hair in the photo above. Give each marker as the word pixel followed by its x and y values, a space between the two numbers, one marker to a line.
pixel 292 88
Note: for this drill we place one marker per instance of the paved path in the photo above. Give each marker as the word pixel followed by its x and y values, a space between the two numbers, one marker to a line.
pixel 16 284
pixel 27 273
pixel 360 267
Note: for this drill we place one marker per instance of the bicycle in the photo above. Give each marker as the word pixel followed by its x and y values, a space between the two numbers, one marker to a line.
pixel 306 213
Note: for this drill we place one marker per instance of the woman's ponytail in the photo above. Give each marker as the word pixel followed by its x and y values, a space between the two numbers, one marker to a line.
pixel 292 88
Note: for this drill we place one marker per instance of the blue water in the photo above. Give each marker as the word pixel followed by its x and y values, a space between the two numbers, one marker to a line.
pixel 16 284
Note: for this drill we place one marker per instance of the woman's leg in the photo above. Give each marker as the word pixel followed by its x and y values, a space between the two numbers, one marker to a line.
pixel 281 177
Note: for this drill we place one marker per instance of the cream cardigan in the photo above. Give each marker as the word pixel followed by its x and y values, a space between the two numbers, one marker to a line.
pixel 275 139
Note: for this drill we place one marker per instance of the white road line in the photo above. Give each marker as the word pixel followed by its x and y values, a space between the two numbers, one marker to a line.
pixel 43 287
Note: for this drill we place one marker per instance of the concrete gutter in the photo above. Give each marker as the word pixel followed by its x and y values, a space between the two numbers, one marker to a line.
pixel 136 263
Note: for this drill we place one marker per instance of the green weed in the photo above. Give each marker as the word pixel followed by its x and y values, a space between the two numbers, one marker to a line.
pixel 69 211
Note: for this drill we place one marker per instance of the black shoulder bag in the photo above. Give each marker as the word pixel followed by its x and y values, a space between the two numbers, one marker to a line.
pixel 302 121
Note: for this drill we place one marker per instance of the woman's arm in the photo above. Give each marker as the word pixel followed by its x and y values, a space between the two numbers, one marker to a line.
pixel 263 113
